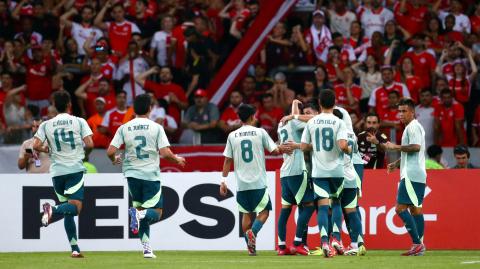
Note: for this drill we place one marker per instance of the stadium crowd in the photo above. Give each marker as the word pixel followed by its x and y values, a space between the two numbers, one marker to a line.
pixel 371 53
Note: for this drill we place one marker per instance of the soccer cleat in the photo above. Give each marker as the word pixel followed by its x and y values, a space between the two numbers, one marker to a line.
pixel 47 214
pixel 283 252
pixel 300 249
pixel 134 220
pixel 76 254
pixel 251 242
pixel 316 252
pixel 422 251
pixel 338 246
pixel 328 251
pixel 353 251
pixel 415 250
pixel 147 251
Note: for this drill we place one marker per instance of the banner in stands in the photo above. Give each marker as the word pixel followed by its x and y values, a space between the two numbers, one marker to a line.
pixel 208 158
pixel 451 221
pixel 196 217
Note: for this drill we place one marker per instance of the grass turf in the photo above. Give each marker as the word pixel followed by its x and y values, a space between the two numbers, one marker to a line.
pixel 237 259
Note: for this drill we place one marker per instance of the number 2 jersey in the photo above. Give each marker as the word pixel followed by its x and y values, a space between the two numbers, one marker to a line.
pixel 143 139
pixel 322 132
pixel 294 164
pixel 246 147
pixel 64 134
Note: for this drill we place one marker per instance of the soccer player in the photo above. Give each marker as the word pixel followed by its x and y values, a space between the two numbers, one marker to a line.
pixel 413 176
pixel 144 140
pixel 67 136
pixel 245 148
pixel 326 136
pixel 348 202
pixel 295 187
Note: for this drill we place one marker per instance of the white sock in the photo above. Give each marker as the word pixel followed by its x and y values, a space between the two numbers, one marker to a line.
pixel 354 245
pixel 142 213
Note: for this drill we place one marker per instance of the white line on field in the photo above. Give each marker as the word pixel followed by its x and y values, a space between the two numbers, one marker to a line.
pixel 470 262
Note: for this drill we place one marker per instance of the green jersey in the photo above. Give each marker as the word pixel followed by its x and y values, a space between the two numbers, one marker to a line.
pixel 412 164
pixel 293 164
pixel 143 139
pixel 352 180
pixel 357 158
pixel 65 134
pixel 246 147
pixel 323 131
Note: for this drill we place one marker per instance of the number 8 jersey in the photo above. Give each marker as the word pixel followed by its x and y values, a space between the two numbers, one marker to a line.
pixel 64 134
pixel 322 132
pixel 246 147
pixel 143 139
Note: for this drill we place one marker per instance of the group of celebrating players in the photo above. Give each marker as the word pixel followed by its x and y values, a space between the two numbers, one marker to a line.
pixel 322 171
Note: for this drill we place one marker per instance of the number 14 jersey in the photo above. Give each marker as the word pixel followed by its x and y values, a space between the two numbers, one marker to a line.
pixel 64 134
pixel 143 139
pixel 322 132
pixel 246 147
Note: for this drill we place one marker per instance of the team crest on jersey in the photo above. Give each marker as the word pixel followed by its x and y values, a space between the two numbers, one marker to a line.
pixel 423 60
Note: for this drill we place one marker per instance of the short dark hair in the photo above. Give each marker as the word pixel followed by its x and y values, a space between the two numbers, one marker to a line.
pixel 434 150
pixel 337 48
pixel 104 79
pixel 372 114
pixel 338 113
pixel 313 104
pixel 87 7
pixel 61 99
pixel 336 35
pixel 267 95
pixel 460 150
pixel 118 5
pixel 425 90
pixel 245 112
pixel 327 99
pixel 120 92
pixel 142 104
pixel 407 102
pixel 394 92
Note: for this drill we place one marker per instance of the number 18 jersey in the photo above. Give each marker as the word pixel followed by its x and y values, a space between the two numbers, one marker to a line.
pixel 323 131
pixel 64 134
pixel 143 139
pixel 246 147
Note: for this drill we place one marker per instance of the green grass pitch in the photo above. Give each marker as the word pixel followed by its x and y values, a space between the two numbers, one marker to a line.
pixel 237 259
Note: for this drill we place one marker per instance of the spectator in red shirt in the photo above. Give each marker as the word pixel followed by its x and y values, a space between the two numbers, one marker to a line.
pixel 377 49
pixel 7 92
pixel 449 119
pixel 390 120
pixel 424 63
pixel 238 13
pixel 450 35
pixel 120 30
pixel 434 31
pixel 407 77
pixel 94 76
pixel 87 99
pixel 248 89
pixel 269 115
pixel 171 92
pixel 39 75
pixel 357 40
pixel 318 36
pixel 114 117
pixel 411 15
pixel 347 54
pixel 475 20
pixel 229 120
pixel 348 93
pixel 378 101
pixel 334 66
pixel 460 82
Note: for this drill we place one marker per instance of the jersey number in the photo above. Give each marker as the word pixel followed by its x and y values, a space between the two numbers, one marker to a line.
pixel 140 146
pixel 284 135
pixel 247 152
pixel 327 139
pixel 60 134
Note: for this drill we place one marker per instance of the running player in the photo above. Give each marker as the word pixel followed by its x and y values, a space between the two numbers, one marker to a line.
pixel 245 148
pixel 326 136
pixel 413 176
pixel 295 187
pixel 67 136
pixel 143 140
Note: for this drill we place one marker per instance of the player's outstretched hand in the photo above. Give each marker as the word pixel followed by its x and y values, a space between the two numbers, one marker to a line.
pixel 286 119
pixel 118 159
pixel 391 167
pixel 223 189
pixel 180 161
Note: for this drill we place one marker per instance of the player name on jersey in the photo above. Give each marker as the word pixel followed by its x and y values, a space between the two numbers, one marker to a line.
pixel 138 127
pixel 248 133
